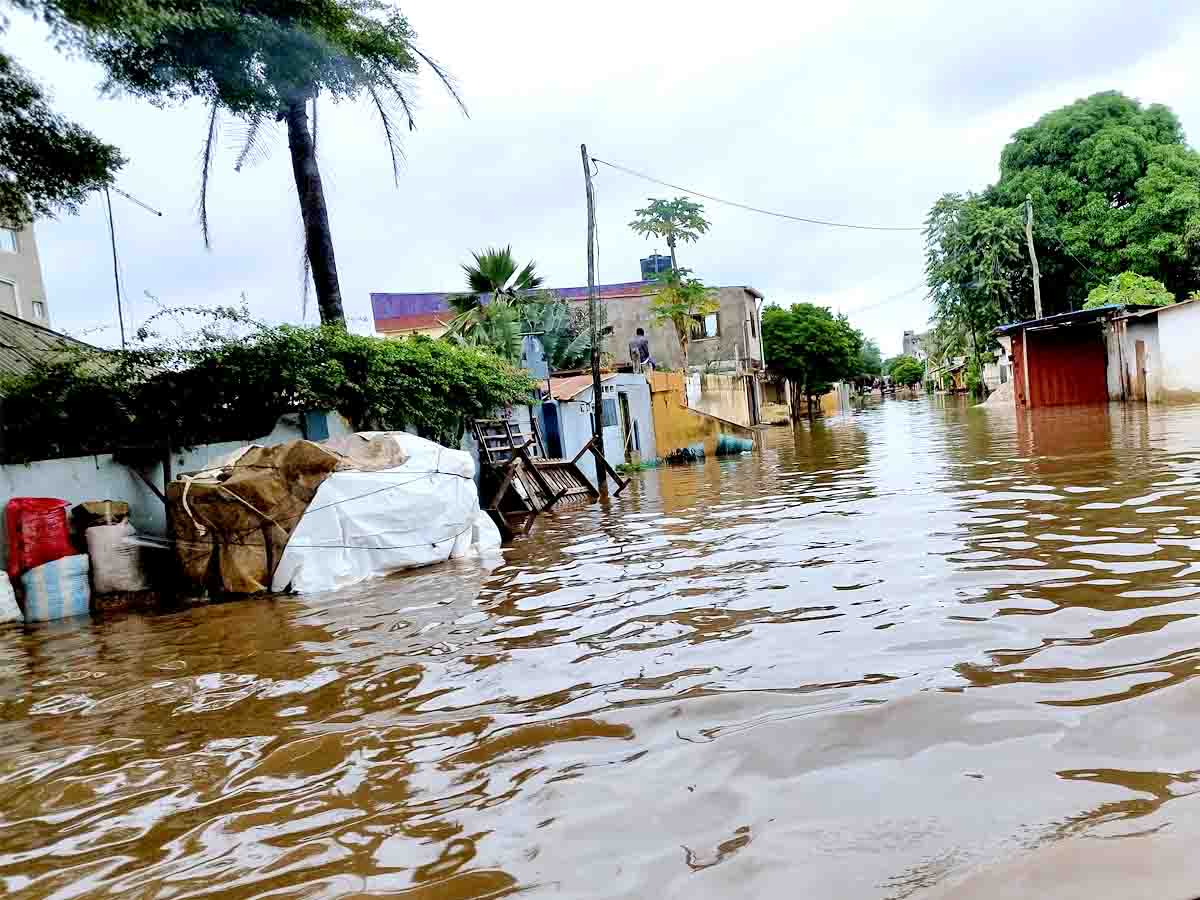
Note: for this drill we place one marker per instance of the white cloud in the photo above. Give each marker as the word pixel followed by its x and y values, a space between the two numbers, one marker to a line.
pixel 862 113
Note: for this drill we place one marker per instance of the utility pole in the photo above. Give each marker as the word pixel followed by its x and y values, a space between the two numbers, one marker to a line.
pixel 112 233
pixel 597 397
pixel 1037 275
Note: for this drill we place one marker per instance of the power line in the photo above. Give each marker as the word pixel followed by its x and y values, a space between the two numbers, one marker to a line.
pixel 886 300
pixel 1054 234
pixel 765 212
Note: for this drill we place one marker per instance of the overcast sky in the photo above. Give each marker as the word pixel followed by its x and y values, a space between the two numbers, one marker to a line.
pixel 862 114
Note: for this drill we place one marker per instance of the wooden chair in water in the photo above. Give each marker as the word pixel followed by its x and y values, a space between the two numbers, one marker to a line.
pixel 527 481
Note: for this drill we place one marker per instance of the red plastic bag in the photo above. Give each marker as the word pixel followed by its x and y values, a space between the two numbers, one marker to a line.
pixel 37 532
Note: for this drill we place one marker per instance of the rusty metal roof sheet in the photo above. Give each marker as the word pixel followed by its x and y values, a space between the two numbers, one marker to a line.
pixel 22 343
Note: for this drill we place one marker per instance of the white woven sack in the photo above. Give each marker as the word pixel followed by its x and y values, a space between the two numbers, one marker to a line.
pixel 116 561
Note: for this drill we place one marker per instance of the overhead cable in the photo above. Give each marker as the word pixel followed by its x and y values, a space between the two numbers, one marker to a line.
pixel 765 212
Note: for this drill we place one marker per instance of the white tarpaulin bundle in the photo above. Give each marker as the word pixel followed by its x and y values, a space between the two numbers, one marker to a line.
pixel 363 524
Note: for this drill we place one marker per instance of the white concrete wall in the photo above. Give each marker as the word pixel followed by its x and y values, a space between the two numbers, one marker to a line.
pixel 80 478
pixel 575 422
pixel 1178 357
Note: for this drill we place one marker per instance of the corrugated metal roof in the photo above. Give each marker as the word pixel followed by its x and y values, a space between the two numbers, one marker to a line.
pixel 23 342
pixel 572 386
pixel 1067 318
pixel 1141 312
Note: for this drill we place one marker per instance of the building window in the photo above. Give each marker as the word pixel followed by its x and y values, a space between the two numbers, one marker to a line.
pixel 39 309
pixel 707 326
pixel 609 412
pixel 753 327
pixel 8 240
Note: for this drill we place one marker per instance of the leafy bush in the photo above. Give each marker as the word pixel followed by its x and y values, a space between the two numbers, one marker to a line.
pixel 219 387
pixel 1129 289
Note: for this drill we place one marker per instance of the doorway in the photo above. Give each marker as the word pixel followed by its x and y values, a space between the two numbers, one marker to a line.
pixel 627 428
pixel 1139 357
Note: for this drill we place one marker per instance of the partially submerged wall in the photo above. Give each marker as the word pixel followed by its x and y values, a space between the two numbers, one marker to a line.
pixel 676 427
pixel 726 397
pixel 100 477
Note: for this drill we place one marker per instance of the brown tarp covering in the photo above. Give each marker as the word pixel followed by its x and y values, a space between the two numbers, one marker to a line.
pixel 238 518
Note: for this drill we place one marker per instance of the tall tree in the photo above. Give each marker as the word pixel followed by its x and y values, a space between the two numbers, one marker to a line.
pixel 261 61
pixel 972 258
pixel 1114 188
pixel 906 371
pixel 47 164
pixel 678 219
pixel 683 301
pixel 810 347
pixel 870 360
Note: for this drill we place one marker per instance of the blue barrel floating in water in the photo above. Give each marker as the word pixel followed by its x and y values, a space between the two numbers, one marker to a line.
pixel 728 445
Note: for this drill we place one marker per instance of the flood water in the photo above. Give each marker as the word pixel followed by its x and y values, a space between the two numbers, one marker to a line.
pixel 887 652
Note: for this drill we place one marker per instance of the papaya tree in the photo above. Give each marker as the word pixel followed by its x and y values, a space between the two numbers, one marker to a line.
pixel 683 301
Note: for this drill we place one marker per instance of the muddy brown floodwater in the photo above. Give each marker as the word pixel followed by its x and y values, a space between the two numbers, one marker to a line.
pixel 890 652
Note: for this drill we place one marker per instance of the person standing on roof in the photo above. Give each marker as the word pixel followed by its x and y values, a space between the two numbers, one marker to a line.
pixel 639 352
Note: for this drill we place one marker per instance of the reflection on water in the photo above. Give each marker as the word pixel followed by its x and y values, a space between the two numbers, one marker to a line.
pixel 884 651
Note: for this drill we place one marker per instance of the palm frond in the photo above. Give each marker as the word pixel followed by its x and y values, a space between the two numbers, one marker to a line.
pixel 528 279
pixel 255 140
pixel 206 162
pixel 464 303
pixel 448 81
pixel 388 134
pixel 401 96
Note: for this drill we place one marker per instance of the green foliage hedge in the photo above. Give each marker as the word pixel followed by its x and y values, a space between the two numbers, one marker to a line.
pixel 216 388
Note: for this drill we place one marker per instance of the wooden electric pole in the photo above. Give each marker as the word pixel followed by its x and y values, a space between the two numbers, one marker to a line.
pixel 1037 276
pixel 597 397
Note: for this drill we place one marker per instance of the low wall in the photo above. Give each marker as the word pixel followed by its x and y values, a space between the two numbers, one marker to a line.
pixel 724 396
pixel 677 427
pixel 79 478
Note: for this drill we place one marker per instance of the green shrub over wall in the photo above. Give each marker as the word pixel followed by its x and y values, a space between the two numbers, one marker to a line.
pixel 213 387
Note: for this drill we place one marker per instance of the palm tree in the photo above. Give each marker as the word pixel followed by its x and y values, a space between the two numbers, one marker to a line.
pixel 494 274
pixel 263 62
pixel 491 313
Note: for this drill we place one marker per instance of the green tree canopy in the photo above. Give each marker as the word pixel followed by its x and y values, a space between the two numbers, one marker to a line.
pixel 47 164
pixel 678 219
pixel 262 61
pixel 809 346
pixel 1114 189
pixel 905 370
pixel 974 271
pixel 1129 289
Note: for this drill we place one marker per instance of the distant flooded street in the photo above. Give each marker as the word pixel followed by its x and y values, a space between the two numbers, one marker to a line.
pixel 882 652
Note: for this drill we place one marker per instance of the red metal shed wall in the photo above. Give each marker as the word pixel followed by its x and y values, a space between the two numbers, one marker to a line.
pixel 1066 366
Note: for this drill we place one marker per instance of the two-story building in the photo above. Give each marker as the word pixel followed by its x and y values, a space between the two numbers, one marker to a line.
pixel 22 293
pixel 725 355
